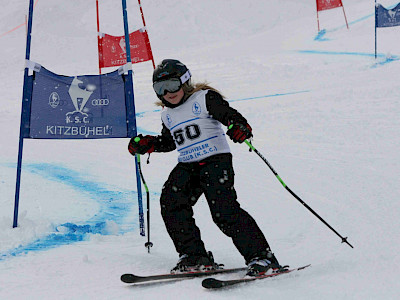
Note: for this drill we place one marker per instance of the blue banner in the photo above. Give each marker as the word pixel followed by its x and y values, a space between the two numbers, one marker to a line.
pixel 80 107
pixel 387 17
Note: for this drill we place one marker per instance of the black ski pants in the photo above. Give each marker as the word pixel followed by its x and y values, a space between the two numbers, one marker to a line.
pixel 213 176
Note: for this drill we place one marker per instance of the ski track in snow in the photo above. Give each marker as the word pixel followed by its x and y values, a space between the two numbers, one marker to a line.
pixel 110 219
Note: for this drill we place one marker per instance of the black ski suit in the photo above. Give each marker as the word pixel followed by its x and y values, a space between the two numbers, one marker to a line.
pixel 213 176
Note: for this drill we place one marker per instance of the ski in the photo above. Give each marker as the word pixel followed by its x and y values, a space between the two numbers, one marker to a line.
pixel 212 283
pixel 134 279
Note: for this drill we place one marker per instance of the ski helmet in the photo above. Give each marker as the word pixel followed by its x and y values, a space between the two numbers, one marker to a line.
pixel 171 68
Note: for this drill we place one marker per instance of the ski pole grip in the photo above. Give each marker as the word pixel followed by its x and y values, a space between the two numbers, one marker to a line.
pixel 137 140
pixel 250 145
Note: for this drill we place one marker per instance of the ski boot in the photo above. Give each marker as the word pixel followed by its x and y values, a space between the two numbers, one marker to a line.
pixel 264 266
pixel 195 263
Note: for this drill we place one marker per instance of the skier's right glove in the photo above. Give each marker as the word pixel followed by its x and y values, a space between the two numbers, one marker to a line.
pixel 141 144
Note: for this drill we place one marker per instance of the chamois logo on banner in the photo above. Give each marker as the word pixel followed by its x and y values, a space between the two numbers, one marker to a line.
pixel 54 99
pixel 122 45
pixel 113 49
pixel 79 99
pixel 392 15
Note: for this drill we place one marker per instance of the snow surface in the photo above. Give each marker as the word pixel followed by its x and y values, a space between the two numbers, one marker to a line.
pixel 325 114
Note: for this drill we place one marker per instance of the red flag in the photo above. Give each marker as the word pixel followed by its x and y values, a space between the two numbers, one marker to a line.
pixel 113 52
pixel 328 4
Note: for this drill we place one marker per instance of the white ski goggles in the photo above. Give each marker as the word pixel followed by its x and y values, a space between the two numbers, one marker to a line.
pixel 171 85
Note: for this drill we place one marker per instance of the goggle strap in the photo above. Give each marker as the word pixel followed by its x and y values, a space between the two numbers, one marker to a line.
pixel 185 77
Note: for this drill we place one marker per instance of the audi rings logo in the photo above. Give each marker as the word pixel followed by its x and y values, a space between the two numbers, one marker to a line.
pixel 100 102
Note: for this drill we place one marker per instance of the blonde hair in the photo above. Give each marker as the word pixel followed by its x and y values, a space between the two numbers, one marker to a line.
pixel 189 89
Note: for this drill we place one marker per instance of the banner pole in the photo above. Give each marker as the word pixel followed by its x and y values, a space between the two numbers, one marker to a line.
pixel 344 13
pixel 375 28
pixel 147 44
pixel 317 15
pixel 22 125
pixel 99 47
pixel 129 82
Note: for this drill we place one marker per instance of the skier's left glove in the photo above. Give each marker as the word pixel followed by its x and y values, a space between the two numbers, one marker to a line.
pixel 239 132
pixel 141 144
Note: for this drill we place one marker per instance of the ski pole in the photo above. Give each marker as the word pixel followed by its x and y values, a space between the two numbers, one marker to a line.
pixel 149 244
pixel 344 239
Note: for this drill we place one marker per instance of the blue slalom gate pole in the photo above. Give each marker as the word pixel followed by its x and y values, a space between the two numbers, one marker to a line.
pixel 22 125
pixel 130 95
pixel 375 28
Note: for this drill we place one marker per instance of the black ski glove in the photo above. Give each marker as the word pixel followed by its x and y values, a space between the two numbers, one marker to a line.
pixel 141 144
pixel 239 132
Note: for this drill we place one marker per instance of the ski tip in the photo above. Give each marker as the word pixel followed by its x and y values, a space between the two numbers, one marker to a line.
pixel 211 283
pixel 128 278
pixel 301 268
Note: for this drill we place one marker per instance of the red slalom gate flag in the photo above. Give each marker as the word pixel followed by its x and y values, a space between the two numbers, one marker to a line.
pixel 328 4
pixel 113 50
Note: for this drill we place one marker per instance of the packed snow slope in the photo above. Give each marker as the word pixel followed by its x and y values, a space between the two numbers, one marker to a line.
pixel 325 114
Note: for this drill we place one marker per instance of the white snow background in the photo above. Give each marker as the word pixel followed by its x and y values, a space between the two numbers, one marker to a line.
pixel 324 112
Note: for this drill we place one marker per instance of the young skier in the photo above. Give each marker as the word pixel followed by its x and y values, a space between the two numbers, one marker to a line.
pixel 191 123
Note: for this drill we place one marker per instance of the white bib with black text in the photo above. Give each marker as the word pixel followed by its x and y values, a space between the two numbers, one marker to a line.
pixel 196 134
